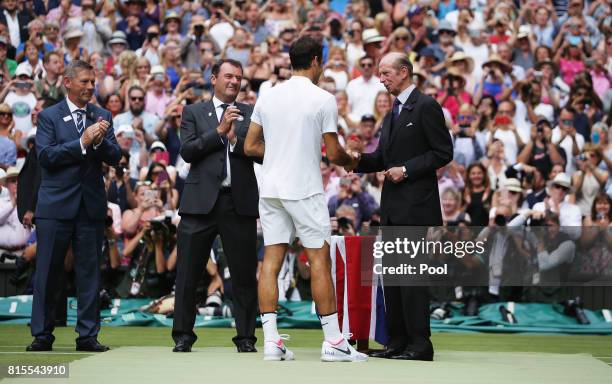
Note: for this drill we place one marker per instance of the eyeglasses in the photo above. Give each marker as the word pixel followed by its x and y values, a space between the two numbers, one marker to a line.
pixel 6 114
pixel 405 38
pixel 560 187
pixel 143 66
pixel 465 117
pixel 137 98
pixel 367 65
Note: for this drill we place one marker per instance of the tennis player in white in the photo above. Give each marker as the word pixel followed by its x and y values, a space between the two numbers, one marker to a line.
pixel 287 126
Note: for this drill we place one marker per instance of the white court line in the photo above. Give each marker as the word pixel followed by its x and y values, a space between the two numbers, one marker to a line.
pixel 48 353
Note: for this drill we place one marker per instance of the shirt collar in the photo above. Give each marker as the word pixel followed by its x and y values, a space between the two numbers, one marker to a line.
pixel 300 78
pixel 403 97
pixel 71 106
pixel 217 103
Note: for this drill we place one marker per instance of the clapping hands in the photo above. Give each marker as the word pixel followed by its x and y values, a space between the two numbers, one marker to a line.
pixel 95 133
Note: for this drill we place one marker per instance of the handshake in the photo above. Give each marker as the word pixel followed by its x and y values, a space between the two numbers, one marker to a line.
pixel 354 149
pixel 95 133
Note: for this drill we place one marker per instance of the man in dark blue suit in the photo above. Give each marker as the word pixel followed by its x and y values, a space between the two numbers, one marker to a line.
pixel 73 138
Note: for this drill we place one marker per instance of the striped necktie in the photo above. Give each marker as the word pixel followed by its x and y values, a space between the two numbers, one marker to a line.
pixel 80 121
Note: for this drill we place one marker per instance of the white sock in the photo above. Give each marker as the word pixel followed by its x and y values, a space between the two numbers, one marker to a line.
pixel 268 322
pixel 331 329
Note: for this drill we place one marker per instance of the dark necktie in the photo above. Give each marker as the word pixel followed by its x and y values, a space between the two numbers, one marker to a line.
pixel 80 120
pixel 225 142
pixel 396 111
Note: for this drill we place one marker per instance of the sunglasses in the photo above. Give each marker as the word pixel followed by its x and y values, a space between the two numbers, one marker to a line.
pixel 560 187
pixel 465 118
pixel 6 114
pixel 567 122
pixel 136 98
pixel 405 38
pixel 367 65
pixel 141 183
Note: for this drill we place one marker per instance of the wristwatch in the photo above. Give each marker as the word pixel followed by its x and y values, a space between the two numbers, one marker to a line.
pixel 405 173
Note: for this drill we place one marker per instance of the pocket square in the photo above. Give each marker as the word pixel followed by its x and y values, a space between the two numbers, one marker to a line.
pixel 409 124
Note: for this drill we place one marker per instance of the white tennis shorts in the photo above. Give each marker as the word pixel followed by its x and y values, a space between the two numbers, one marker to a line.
pixel 283 220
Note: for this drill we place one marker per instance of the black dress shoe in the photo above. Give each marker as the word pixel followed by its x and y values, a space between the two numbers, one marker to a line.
pixel 39 345
pixel 386 353
pixel 182 346
pixel 246 346
pixel 91 346
pixel 412 355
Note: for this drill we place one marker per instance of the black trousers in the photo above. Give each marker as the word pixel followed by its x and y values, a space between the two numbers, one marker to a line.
pixel 196 234
pixel 407 307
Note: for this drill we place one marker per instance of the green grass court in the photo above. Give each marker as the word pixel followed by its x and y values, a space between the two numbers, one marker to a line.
pixel 143 355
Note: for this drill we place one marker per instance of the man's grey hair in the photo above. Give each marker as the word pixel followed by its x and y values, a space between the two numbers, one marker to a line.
pixel 398 60
pixel 35 22
pixel 75 66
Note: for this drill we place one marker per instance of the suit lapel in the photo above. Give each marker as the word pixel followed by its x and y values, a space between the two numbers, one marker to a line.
pixel 407 110
pixel 210 114
pixel 68 126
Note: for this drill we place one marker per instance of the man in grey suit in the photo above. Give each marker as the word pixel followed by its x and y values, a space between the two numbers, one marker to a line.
pixel 220 198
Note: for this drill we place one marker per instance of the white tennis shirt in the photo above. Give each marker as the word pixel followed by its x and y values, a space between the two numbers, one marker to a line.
pixel 294 116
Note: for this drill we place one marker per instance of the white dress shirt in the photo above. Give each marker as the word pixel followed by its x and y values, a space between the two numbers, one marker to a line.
pixel 403 97
pixel 227 182
pixel 13 28
pixel 73 107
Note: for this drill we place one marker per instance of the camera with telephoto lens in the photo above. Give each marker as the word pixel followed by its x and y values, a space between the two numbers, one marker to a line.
pixel 162 224
pixel 575 308
pixel 120 172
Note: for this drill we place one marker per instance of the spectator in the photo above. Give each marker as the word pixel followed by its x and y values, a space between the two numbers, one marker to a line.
pixel 220 27
pixel 445 47
pixel 159 177
pixel 157 100
pixel 588 180
pixel 497 164
pixel 382 106
pixel 570 58
pixel 96 29
pixel 168 131
pixel 253 24
pixel 566 136
pixel 453 93
pixel 504 129
pixel 362 91
pixel 465 134
pixel 452 213
pixel 538 189
pixel 495 78
pixel 19 96
pixel 542 25
pixel 352 194
pixel 190 46
pixel 7 66
pixel 337 68
pixel 114 103
pixel 372 44
pixel 354 46
pixel 13 235
pixel 238 47
pixel 52 36
pixel 367 128
pixel 477 195
pixel 570 216
pixel 258 70
pixel 137 117
pixel 122 185
pixel 540 151
pixel 35 33
pixel 172 26
pixel 125 138
pixel 134 25
pixel 151 47
pixel 8 149
pixel 50 86
pixel 16 21
pixel 73 48
pixel 118 44
pixel 170 59
pixel 65 11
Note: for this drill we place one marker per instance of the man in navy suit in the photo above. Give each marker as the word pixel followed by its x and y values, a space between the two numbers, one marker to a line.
pixel 73 138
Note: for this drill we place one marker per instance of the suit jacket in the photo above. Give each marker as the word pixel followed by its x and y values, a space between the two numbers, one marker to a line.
pixel 29 180
pixel 419 141
pixel 67 176
pixel 201 146
pixel 23 18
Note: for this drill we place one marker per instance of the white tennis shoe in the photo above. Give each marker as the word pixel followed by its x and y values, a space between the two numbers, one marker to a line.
pixel 341 351
pixel 277 351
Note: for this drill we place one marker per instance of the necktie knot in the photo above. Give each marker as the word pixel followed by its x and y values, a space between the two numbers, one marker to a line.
pixel 396 108
pixel 80 121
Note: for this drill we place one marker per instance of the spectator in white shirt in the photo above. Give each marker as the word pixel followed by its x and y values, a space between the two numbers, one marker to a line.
pixel 13 235
pixel 362 91
pixel 565 135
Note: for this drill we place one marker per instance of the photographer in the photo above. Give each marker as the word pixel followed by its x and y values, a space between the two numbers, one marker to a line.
pixel 596 238
pixel 454 93
pixel 343 221
pixel 148 206
pixel 588 180
pixel 190 45
pixel 151 47
pixel 20 91
pixel 555 249
pixel 157 99
pixel 121 189
pixel 505 130
pixel 540 151
pixel 351 193
pixel 168 130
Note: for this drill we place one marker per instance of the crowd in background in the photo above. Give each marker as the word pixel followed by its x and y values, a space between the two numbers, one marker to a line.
pixel 524 86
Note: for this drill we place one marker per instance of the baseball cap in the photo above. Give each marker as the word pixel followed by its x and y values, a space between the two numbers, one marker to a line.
pixel 157 145
pixel 23 69
pixel 124 129
pixel 368 117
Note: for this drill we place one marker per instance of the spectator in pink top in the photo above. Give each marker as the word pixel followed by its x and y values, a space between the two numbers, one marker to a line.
pixel 157 100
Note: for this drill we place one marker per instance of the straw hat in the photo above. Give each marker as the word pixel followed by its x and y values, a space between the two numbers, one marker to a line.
pixel 496 59
pixel 460 56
